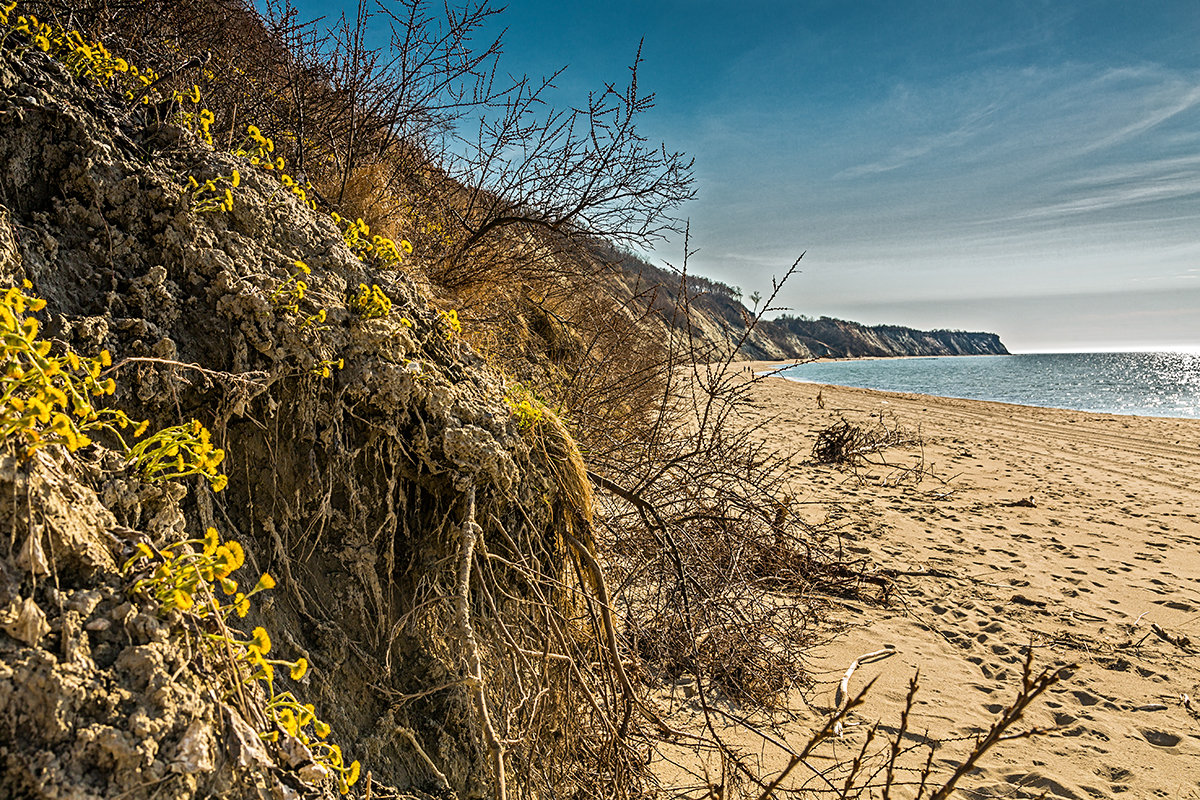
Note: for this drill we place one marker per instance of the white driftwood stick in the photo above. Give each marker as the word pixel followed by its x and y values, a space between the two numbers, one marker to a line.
pixel 843 691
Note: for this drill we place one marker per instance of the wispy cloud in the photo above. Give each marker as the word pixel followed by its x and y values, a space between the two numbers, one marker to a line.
pixel 1165 102
pixel 1117 197
pixel 960 133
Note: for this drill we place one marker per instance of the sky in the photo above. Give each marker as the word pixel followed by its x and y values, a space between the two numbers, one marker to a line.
pixel 1022 167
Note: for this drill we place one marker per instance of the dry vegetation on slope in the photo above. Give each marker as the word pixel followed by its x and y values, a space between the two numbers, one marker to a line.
pixel 486 605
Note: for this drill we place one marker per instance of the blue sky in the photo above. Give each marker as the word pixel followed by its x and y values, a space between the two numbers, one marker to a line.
pixel 1029 168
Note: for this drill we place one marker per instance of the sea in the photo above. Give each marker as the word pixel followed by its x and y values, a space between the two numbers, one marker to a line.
pixel 1145 384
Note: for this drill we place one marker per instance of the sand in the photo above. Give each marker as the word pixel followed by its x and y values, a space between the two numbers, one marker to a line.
pixel 1071 532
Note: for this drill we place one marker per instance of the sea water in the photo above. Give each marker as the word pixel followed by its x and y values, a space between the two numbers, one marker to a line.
pixel 1147 384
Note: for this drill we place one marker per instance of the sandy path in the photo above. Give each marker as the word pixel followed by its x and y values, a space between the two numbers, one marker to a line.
pixel 1111 546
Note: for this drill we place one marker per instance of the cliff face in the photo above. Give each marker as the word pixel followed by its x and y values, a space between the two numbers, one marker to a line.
pixel 718 320
pixel 835 338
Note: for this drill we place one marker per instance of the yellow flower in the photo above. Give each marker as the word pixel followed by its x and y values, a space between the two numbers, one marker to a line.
pixel 211 541
pixel 236 551
pixel 266 671
pixel 241 604
pixel 260 641
pixel 265 582
pixel 224 561
pixel 299 668
pixel 321 728
pixel 40 410
pixel 287 720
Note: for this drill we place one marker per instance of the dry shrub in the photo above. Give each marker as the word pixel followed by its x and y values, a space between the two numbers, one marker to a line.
pixel 849 444
pixel 696 516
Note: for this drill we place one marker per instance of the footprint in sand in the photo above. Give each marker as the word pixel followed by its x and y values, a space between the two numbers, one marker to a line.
pixel 1175 605
pixel 1048 786
pixel 1160 738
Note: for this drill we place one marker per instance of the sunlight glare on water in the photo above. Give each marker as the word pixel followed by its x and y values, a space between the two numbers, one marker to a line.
pixel 1147 384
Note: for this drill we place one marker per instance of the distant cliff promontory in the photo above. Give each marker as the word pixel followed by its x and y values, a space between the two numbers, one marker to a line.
pixel 835 338
pixel 718 318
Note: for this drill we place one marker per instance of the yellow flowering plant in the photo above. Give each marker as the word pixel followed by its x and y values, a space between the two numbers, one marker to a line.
pixel 192 116
pixel 259 150
pixel 47 398
pixel 449 320
pixel 524 406
pixel 215 194
pixel 185 577
pixel 377 249
pixel 371 303
pixel 86 60
pixel 287 294
pixel 305 192
pixel 387 252
pixel 181 576
pixel 325 367
pixel 177 452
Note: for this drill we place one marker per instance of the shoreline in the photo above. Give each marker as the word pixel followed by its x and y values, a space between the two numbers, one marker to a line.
pixel 770 369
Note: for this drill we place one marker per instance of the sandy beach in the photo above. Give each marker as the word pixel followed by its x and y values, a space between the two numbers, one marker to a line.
pixel 1070 532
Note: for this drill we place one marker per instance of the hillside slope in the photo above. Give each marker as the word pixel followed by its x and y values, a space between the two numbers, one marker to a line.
pixel 369 458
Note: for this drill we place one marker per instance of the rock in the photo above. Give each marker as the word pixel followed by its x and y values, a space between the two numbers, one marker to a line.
pixel 195 750
pixel 83 602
